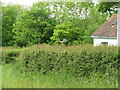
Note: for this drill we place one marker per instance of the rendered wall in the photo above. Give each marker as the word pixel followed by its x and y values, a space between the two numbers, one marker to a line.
pixel 111 42
pixel 118 26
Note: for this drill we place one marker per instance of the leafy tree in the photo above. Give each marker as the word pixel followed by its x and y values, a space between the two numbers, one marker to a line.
pixel 66 31
pixel 93 22
pixel 84 22
pixel 110 7
pixel 76 21
pixel 10 13
pixel 65 11
pixel 34 25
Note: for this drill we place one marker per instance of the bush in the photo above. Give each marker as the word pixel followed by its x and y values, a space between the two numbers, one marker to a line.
pixel 75 60
pixel 10 55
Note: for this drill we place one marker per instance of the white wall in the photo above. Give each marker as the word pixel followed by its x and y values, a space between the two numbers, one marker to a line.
pixel 111 42
pixel 118 26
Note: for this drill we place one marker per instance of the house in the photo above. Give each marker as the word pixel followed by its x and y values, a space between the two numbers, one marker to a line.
pixel 107 33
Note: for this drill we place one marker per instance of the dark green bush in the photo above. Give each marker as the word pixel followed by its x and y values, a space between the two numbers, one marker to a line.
pixel 78 62
pixel 10 55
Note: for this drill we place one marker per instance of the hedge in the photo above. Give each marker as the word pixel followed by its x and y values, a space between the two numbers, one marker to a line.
pixel 10 55
pixel 77 62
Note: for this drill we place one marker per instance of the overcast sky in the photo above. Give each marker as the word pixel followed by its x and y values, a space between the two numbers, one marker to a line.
pixel 21 2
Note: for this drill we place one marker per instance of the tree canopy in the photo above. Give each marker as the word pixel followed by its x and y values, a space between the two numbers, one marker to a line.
pixel 108 7
pixel 9 15
pixel 34 26
pixel 51 22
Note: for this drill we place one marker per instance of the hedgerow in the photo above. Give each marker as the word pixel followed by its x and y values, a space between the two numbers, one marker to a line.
pixel 10 55
pixel 75 60
pixel 79 60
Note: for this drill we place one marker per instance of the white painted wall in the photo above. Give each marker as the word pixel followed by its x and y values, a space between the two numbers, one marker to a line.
pixel 118 26
pixel 111 42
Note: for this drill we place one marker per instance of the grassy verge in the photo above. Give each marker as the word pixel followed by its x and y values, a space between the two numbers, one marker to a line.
pixel 13 78
pixel 0 76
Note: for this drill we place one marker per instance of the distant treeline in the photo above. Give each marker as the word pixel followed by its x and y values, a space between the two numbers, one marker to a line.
pixel 51 22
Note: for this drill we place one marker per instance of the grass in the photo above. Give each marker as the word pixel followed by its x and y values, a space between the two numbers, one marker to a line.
pixel 13 78
pixel 0 77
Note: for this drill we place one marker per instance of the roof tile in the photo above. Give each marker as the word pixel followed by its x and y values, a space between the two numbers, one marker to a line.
pixel 108 29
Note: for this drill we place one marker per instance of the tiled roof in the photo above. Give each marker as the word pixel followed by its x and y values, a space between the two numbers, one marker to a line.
pixel 108 29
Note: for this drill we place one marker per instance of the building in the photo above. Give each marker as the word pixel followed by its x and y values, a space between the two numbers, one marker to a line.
pixel 107 33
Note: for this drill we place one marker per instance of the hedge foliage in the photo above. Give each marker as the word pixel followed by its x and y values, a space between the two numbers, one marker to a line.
pixel 10 55
pixel 78 60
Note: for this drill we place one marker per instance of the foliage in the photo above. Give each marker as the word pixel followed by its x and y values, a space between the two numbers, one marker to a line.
pixel 10 55
pixel 60 66
pixel 34 26
pixel 66 31
pixel 9 15
pixel 91 24
pixel 110 7
pixel 51 22
pixel 65 11
pixel 78 30
pixel 80 61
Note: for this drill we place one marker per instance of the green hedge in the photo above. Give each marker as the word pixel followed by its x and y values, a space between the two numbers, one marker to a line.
pixel 10 55
pixel 78 62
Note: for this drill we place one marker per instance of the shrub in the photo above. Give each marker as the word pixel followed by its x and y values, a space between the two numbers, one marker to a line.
pixel 77 61
pixel 10 55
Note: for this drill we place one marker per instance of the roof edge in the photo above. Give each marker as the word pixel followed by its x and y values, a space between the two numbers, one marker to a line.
pixel 104 37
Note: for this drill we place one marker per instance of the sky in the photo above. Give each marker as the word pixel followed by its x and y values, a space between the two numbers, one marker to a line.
pixel 30 2
pixel 21 2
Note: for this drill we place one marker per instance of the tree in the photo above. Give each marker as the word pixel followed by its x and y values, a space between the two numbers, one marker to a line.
pixel 57 21
pixel 10 13
pixel 34 25
pixel 93 22
pixel 84 22
pixel 110 7
pixel 66 31
pixel 65 11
